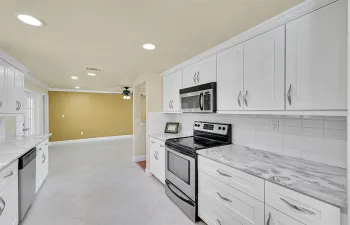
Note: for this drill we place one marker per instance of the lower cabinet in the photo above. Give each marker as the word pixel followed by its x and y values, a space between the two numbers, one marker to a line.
pixel 274 217
pixel 9 203
pixel 42 164
pixel 157 159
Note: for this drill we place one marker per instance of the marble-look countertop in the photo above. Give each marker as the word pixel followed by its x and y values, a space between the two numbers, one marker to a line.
pixel 165 136
pixel 320 181
pixel 12 148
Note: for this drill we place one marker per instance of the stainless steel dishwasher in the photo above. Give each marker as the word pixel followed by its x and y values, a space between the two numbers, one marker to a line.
pixel 26 180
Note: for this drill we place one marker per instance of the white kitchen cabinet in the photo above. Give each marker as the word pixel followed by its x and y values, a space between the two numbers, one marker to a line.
pixel 3 93
pixel 171 96
pixel 42 164
pixel 157 159
pixel 200 73
pixel 274 217
pixel 264 70
pixel 316 59
pixel 9 203
pixel 230 79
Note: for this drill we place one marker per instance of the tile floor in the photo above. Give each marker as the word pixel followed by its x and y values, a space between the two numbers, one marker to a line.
pixel 97 184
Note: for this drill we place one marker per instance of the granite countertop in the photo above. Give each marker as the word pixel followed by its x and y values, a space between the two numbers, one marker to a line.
pixel 165 136
pixel 12 148
pixel 320 181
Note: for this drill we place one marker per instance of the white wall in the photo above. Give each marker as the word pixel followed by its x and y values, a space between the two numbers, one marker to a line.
pixel 320 139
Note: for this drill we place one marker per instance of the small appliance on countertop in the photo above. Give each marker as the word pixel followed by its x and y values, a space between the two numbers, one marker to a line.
pixel 181 175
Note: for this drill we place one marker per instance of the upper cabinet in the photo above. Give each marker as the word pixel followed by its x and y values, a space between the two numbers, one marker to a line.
pixel 316 60
pixel 200 73
pixel 11 89
pixel 264 69
pixel 171 96
pixel 230 79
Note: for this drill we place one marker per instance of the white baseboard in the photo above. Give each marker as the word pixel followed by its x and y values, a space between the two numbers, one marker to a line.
pixel 148 173
pixel 138 158
pixel 89 140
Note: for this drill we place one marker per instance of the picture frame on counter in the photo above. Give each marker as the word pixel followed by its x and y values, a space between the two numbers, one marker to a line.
pixel 172 128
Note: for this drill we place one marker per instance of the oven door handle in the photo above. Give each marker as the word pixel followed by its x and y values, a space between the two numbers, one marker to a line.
pixel 184 200
pixel 200 101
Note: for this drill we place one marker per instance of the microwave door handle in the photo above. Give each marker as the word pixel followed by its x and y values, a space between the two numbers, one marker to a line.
pixel 200 101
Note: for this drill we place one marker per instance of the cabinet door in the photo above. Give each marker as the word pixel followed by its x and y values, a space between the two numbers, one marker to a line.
pixel 45 162
pixel 153 161
pixel 3 88
pixel 161 161
pixel 230 79
pixel 19 90
pixel 39 168
pixel 206 70
pixel 189 76
pixel 11 104
pixel 264 61
pixel 9 203
pixel 316 62
pixel 274 217
pixel 171 96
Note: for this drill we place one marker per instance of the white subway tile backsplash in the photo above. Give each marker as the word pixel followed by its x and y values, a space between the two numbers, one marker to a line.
pixel 316 138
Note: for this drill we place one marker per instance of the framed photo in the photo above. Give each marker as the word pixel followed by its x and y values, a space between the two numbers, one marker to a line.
pixel 172 128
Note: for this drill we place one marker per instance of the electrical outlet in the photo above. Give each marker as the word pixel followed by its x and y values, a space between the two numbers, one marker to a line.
pixel 275 125
pixel 81 133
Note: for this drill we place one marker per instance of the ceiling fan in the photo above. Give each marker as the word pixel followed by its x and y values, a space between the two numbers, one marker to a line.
pixel 127 93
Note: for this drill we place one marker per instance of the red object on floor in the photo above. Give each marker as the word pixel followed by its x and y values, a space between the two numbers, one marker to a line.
pixel 142 164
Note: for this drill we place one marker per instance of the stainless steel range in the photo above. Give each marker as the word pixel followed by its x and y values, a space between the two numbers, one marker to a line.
pixel 181 162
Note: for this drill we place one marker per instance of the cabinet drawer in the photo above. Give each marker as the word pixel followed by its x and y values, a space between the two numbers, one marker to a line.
pixel 241 181
pixel 242 207
pixel 7 174
pixel 301 207
pixel 212 214
pixel 274 217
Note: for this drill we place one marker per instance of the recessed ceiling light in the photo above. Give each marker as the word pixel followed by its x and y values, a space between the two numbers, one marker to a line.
pixel 30 20
pixel 91 74
pixel 149 46
pixel 74 78
pixel 76 87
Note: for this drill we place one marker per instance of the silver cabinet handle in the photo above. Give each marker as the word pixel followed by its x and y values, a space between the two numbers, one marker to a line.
pixel 245 98
pixel 223 174
pixel 16 105
pixel 44 158
pixel 2 201
pixel 223 198
pixel 289 96
pixel 9 174
pixel 20 105
pixel 218 221
pixel 239 98
pixel 300 209
pixel 162 146
pixel 0 104
pixel 46 143
pixel 269 219
pixel 198 77
pixel 156 155
pixel 194 78
pixel 171 104
pixel 153 142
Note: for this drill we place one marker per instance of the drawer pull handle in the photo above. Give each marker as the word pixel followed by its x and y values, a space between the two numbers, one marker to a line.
pixel 153 142
pixel 223 174
pixel 300 209
pixel 218 221
pixel 9 174
pixel 162 146
pixel 223 198
pixel 2 201
pixel 269 219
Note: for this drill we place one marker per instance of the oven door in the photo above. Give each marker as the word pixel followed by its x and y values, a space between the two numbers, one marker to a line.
pixel 180 170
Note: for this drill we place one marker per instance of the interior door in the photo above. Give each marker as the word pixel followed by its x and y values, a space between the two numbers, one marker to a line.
pixel 230 79
pixel 206 70
pixel 316 63
pixel 264 70
pixel 189 76
pixel 3 88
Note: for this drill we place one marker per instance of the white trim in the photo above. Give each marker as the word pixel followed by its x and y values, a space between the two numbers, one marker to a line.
pixel 46 125
pixel 36 81
pixel 90 140
pixel 283 18
pixel 85 91
pixel 148 172
pixel 13 62
pixel 138 158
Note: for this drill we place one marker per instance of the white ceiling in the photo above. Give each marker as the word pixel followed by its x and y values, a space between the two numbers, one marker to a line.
pixel 109 34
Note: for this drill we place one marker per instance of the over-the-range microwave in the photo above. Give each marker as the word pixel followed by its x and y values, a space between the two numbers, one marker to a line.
pixel 201 98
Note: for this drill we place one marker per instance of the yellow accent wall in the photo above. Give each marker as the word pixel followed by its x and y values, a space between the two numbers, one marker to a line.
pixel 94 114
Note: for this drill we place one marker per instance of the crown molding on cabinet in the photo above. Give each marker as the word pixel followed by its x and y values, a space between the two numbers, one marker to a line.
pixel 85 91
pixel 36 81
pixel 283 18
pixel 13 62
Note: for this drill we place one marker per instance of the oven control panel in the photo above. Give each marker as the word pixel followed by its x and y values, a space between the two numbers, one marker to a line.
pixel 211 127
